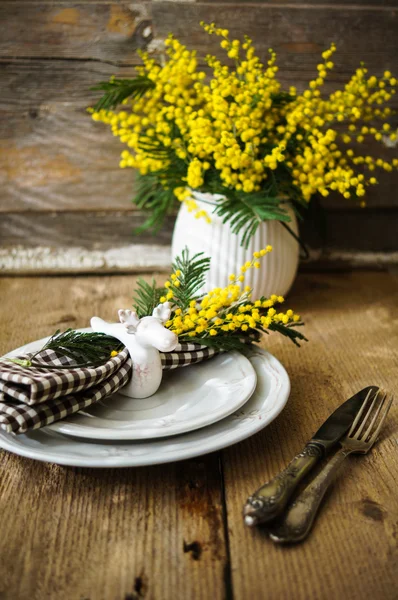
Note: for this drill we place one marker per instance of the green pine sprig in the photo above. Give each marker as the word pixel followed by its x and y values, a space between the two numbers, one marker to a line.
pixel 117 90
pixel 244 212
pixel 146 297
pixel 86 349
pixel 237 341
pixel 226 343
pixel 156 200
pixel 192 277
pixel 281 98
pixel 289 331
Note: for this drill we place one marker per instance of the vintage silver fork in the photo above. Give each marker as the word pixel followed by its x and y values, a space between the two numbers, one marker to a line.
pixel 298 519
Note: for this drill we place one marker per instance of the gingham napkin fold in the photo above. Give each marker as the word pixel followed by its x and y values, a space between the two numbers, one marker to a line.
pixel 31 397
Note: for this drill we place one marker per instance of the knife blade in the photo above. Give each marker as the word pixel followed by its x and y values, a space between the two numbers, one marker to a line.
pixel 269 501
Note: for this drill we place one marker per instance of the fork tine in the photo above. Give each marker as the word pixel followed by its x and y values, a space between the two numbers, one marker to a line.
pixel 373 421
pixel 359 415
pixel 386 409
pixel 366 417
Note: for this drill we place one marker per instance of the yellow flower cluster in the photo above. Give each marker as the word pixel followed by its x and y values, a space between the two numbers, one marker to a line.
pixel 319 163
pixel 243 126
pixel 174 280
pixel 225 310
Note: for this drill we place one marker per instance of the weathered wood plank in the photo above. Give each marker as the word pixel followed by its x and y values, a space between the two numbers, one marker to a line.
pixel 27 81
pixel 51 153
pixel 137 258
pixel 357 229
pixel 108 32
pixel 361 229
pixel 57 158
pixel 52 156
pixel 354 4
pixel 297 33
pixel 86 229
pixel 102 534
pixel 376 4
pixel 113 32
pixel 134 258
pixel 111 534
pixel 62 161
pixel 31 84
pixel 103 242
pixel 352 552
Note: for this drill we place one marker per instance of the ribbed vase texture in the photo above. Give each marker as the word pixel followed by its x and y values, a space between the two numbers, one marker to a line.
pixel 278 269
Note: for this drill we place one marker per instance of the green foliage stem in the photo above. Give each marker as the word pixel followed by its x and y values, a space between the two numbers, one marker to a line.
pixel 117 90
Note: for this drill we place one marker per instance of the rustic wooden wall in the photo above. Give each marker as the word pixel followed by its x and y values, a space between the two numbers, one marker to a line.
pixel 61 187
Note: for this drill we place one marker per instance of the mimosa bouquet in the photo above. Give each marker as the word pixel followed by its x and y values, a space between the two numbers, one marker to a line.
pixel 241 136
pixel 224 318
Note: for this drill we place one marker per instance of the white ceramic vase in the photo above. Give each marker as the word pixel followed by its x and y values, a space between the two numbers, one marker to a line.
pixel 278 269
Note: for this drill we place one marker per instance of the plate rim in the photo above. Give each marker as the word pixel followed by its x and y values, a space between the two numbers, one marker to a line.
pixel 15 444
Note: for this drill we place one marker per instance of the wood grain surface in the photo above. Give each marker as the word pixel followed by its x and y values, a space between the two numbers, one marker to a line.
pixel 298 33
pixel 110 32
pixel 176 531
pixel 360 230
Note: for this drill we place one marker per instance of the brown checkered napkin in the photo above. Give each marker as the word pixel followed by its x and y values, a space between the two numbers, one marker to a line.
pixel 31 398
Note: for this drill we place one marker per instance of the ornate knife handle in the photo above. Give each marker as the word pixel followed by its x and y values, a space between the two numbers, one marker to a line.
pixel 269 501
pixel 299 518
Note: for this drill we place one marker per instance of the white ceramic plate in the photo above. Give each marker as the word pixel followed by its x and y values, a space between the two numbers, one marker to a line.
pixel 188 398
pixel 266 403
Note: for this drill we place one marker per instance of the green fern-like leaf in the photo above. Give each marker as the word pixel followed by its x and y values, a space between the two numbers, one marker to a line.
pixel 244 212
pixel 117 90
pixel 85 349
pixel 290 332
pixel 81 346
pixel 155 149
pixel 155 200
pixel 146 297
pixel 192 277
pixel 228 342
pixel 281 98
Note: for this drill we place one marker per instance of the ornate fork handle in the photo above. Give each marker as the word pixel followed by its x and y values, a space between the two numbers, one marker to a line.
pixel 300 515
pixel 270 500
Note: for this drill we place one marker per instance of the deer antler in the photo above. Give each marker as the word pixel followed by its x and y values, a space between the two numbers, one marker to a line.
pixel 129 319
pixel 162 312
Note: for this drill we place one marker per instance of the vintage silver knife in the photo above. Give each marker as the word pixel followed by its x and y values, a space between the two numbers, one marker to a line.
pixel 269 501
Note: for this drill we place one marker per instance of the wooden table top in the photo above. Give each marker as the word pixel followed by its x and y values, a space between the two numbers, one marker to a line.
pixel 176 531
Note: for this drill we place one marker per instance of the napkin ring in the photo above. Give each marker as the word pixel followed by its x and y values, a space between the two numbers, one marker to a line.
pixel 144 339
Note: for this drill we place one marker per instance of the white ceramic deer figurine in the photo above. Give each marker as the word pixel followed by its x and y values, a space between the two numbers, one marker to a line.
pixel 144 338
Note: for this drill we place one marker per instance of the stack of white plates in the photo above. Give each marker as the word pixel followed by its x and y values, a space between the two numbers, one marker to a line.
pixel 197 410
